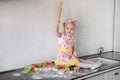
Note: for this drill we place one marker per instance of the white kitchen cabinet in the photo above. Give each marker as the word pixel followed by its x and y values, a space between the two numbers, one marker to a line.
pixel 112 75
pixel 98 77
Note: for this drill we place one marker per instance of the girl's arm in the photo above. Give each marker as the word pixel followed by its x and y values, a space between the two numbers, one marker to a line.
pixel 58 19
pixel 76 55
pixel 74 52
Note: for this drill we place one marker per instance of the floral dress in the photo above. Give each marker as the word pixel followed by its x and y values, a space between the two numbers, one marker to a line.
pixel 65 51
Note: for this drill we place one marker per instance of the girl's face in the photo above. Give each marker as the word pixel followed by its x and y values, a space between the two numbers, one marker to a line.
pixel 69 29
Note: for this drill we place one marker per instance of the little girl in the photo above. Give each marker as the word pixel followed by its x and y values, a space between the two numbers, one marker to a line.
pixel 66 54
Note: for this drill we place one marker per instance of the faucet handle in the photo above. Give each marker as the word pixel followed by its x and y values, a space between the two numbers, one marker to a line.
pixel 100 49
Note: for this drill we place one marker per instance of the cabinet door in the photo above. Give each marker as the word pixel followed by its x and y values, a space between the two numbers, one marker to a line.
pixel 112 75
pixel 98 77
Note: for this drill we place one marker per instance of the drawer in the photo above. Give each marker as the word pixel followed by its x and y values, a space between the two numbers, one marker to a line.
pixel 112 75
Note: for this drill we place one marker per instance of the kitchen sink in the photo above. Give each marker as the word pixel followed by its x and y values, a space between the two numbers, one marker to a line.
pixel 106 61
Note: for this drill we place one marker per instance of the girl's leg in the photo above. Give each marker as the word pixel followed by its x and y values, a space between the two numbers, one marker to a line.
pixel 81 60
pixel 88 61
pixel 89 65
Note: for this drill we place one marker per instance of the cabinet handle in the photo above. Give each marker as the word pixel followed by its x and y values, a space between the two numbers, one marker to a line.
pixel 116 73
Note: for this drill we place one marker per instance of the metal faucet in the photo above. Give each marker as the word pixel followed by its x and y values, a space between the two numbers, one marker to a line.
pixel 100 50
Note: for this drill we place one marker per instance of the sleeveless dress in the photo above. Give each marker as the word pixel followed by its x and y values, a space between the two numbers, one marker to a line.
pixel 65 51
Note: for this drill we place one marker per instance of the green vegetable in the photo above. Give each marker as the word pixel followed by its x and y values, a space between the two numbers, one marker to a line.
pixel 41 65
pixel 66 66
pixel 27 69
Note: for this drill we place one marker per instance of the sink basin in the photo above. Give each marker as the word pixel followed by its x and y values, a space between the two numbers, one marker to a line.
pixel 105 61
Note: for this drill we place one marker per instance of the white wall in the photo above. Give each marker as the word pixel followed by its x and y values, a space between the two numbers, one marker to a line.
pixel 95 29
pixel 27 31
pixel 117 26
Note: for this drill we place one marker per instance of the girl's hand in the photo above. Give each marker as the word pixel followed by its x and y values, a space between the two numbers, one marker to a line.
pixel 75 54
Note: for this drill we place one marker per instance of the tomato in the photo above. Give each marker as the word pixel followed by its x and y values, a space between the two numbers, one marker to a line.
pixel 48 63
pixel 59 66
pixel 33 66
